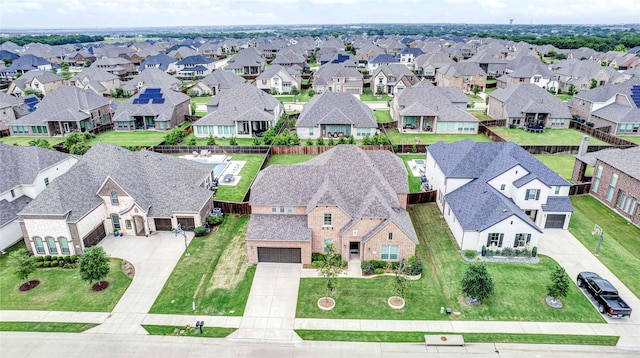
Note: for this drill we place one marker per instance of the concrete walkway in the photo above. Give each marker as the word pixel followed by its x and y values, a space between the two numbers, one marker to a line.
pixel 271 306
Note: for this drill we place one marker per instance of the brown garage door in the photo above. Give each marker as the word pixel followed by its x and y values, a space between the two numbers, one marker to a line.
pixel 555 221
pixel 278 254
pixel 187 224
pixel 163 224
pixel 94 237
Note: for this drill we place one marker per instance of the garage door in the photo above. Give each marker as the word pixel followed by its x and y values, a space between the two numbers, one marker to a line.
pixel 277 254
pixel 353 90
pixel 163 224
pixel 187 224
pixel 555 221
pixel 94 237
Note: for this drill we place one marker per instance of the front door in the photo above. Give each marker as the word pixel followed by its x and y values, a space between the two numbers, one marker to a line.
pixel 65 125
pixel 138 224
pixel 354 249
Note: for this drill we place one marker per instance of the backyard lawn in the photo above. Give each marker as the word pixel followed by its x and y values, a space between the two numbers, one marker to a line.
pixel 620 250
pixel 219 140
pixel 249 171
pixel 425 138
pixel 289 158
pixel 60 289
pixel 479 113
pixel 201 100
pixel 564 97
pixel 415 184
pixel 549 137
pixel 475 98
pixel 302 97
pixel 137 138
pixel 26 140
pixel 630 138
pixel 374 98
pixel 216 275
pixel 559 163
pixel 520 289
pixel 382 115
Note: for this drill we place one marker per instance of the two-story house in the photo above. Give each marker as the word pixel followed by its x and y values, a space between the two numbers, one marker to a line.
pixel 408 55
pixel 196 66
pixel 279 79
pixel 333 77
pixel 392 78
pixel 43 82
pixel 116 65
pixel 496 194
pixel 96 79
pixel 113 189
pixel 247 62
pixel 464 75
pixel 154 108
pixel 215 82
pixel 24 173
pixel 151 77
pixel 347 197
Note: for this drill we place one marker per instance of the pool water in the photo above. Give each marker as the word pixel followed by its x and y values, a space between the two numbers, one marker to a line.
pixel 219 167
pixel 419 162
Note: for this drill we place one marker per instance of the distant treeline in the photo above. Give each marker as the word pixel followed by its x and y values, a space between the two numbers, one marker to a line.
pixel 615 42
pixel 51 39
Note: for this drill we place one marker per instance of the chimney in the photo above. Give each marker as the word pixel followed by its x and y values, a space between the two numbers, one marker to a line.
pixel 584 144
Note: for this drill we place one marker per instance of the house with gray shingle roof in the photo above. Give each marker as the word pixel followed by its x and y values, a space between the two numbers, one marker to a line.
pixel 65 110
pixel 279 79
pixel 26 63
pixel 527 105
pixel 113 189
pixel 496 194
pixel 381 59
pixel 7 113
pixel 247 62
pixel 37 80
pixel 242 110
pixel 615 181
pixel 331 114
pixel 215 82
pixel 96 79
pixel 529 71
pixel 196 66
pixel 151 77
pixel 392 78
pixel 428 63
pixel 351 198
pixel 24 173
pixel 463 75
pixel 154 108
pixel 425 108
pixel 581 73
pixel 118 66
pixel 161 61
pixel 334 77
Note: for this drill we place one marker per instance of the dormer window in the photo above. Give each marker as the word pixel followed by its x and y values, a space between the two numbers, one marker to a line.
pixel 114 198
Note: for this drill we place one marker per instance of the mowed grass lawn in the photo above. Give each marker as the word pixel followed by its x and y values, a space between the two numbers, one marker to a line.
pixel 289 158
pixel 520 289
pixel 60 289
pixel 559 163
pixel 415 183
pixel 45 327
pixel 549 137
pixel 137 138
pixel 216 275
pixel 251 168
pixel 382 115
pixel 25 141
pixel 620 250
pixel 410 138
pixel 219 140
pixel 479 113
pixel 630 138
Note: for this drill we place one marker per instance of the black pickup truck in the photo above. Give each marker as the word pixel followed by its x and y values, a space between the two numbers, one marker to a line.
pixel 605 294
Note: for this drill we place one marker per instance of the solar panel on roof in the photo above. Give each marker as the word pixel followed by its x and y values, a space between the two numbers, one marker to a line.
pixel 158 100
pixel 635 95
pixel 152 90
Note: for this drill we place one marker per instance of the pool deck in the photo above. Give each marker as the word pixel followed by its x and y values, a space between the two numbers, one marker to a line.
pixel 416 168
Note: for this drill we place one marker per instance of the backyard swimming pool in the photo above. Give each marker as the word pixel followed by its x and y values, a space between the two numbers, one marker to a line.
pixel 220 162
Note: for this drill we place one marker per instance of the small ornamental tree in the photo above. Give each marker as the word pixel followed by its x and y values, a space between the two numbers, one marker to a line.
pixel 79 148
pixel 400 279
pixel 94 265
pixel 477 283
pixel 211 140
pixel 294 91
pixel 331 268
pixel 41 143
pixel 476 89
pixel 559 286
pixel 23 265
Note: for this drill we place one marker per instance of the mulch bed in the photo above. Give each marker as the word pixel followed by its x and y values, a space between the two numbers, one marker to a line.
pixel 30 285
pixel 128 269
pixel 99 286
pixel 326 302
pixel 396 301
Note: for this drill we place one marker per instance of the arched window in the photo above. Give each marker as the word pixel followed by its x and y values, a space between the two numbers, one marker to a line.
pixel 64 245
pixel 51 245
pixel 39 245
pixel 114 198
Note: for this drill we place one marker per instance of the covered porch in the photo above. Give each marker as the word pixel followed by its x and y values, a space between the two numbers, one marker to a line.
pixel 335 130
pixel 249 128
pixel 535 121
pixel 66 127
pixel 417 124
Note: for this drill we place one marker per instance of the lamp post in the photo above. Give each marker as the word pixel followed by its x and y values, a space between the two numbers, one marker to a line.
pixel 178 231
pixel 598 230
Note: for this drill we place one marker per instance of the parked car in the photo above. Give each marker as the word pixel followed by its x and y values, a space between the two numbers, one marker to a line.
pixel 605 294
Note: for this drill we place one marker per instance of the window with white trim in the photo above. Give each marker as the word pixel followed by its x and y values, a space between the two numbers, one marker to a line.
pixel 51 245
pixel 328 220
pixel 612 186
pixel 114 198
pixel 39 245
pixel 389 252
pixel 325 245
pixel 596 180
pixel 64 245
pixel 532 194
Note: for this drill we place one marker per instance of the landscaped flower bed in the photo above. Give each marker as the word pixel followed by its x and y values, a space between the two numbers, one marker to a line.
pixel 380 267
pixel 68 262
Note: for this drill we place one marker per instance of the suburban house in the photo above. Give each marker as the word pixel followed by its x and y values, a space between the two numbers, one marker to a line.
pixel 291 60
pixel 392 78
pixel 161 61
pixel 65 110
pixel 154 108
pixel 37 80
pixel 612 108
pixel 381 59
pixel 408 55
pixel 496 194
pixel 24 64
pixel 425 108
pixel 616 179
pixel 116 65
pixel 337 78
pixel 216 82
pixel 279 79
pixel 247 62
pixel 196 66
pixel 7 112
pixel 526 105
pixel 242 111
pixel 491 65
pixel 80 58
pixel 151 78
pixel 114 189
pixel 96 79
pixel 580 74
pixel 464 75
pixel 530 72
pixel 24 173
pixel 348 197
pixel 332 114
pixel 427 64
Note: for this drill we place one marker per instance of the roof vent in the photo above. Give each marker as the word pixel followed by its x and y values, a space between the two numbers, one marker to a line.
pixel 504 210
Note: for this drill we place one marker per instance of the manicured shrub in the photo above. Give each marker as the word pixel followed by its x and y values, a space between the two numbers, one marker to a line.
pixel 379 264
pixel 378 271
pixel 477 282
pixel 509 252
pixel 317 264
pixel 470 254
pixel 394 265
pixel 38 258
pixel 61 263
pixel 67 259
pixel 317 256
pixel 215 220
pixel 415 269
pixel 46 264
pixel 53 263
pixel 75 258
pixel 367 267
pixel 47 257
pixel 200 231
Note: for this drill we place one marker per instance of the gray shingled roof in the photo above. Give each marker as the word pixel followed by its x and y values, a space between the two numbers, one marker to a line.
pixel 158 183
pixel 458 69
pixel 241 102
pixel 396 70
pixel 605 93
pixel 625 160
pixel 162 111
pixel 618 113
pixel 21 165
pixel 560 204
pixel 336 108
pixel 529 98
pixel 42 76
pixel 327 72
pixel 223 79
pixel 278 228
pixel 152 77
pixel 93 74
pixel 9 209
pixel 425 99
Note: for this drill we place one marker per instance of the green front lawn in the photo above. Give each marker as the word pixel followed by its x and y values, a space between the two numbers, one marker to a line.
pixel 490 90
pixel 251 168
pixel 302 97
pixel 45 327
pixel 520 289
pixel 475 98
pixel 12 140
pixel 620 250
pixel 60 289
pixel 564 97
pixel 207 332
pixel 418 337
pixel 415 183
pixel 382 116
pixel 201 100
pixel 375 98
pixel 194 277
pixel 549 137
pixel 425 138
pixel 630 138
pixel 289 158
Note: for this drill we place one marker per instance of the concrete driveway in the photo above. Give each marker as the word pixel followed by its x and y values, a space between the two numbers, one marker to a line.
pixel 154 258
pixel 574 257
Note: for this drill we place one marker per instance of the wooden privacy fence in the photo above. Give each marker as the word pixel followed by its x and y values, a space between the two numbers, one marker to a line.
pixel 420 198
pixel 601 135
pixel 483 129
pixel 228 207
pixel 315 149
pixel 494 123
pixel 215 149
pixel 580 189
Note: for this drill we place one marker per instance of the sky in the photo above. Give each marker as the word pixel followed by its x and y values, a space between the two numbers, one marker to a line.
pixel 40 14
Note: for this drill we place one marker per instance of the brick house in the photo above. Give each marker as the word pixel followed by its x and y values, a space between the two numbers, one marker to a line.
pixel 155 108
pixel 349 197
pixel 615 181
pixel 463 75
